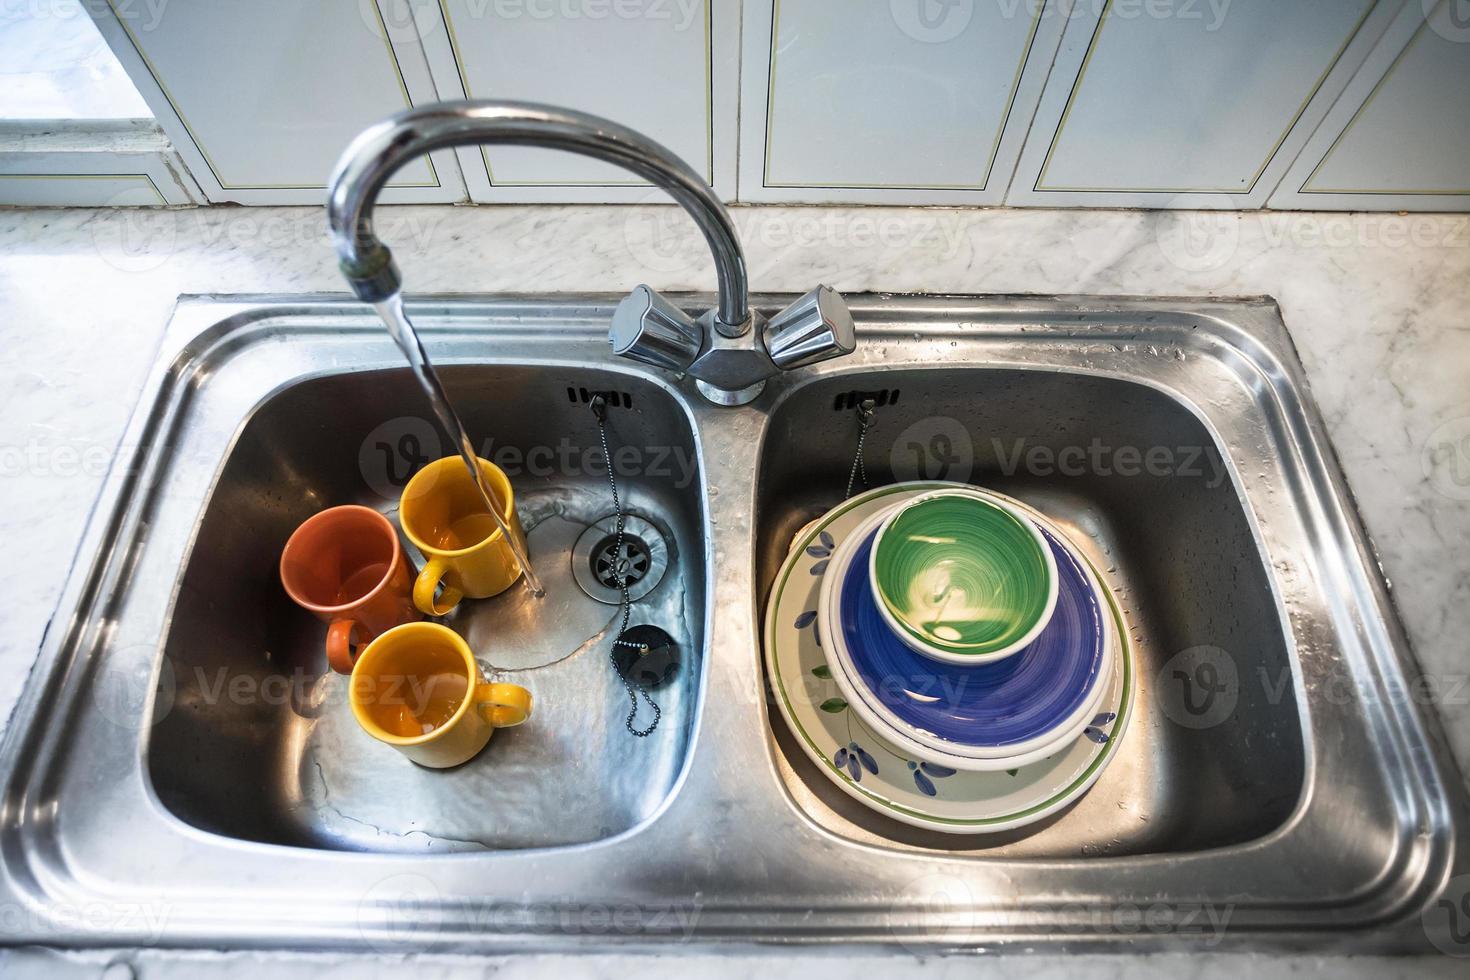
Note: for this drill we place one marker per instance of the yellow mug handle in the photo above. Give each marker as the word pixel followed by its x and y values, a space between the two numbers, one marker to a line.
pixel 503 705
pixel 425 585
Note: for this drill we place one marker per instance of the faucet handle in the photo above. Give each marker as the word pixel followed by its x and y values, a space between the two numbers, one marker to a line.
pixel 812 329
pixel 648 328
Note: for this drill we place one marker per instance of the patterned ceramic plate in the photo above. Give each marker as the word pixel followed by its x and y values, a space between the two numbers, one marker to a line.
pixel 1009 712
pixel 868 768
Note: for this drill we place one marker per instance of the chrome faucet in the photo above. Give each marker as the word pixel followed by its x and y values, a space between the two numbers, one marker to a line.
pixel 730 351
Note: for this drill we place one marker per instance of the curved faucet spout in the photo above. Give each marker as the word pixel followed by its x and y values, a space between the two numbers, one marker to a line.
pixel 382 149
pixel 730 351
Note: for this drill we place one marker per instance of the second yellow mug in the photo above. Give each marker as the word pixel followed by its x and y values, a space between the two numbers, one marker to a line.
pixel 419 689
pixel 443 515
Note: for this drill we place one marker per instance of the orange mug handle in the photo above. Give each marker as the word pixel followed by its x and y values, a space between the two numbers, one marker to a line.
pixel 341 651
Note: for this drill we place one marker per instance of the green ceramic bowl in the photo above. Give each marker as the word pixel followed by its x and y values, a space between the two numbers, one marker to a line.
pixel 962 578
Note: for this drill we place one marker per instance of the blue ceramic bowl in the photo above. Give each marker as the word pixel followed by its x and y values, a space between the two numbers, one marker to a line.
pixel 986 710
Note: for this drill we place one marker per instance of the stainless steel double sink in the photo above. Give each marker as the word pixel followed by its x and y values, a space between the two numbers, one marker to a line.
pixel 184 771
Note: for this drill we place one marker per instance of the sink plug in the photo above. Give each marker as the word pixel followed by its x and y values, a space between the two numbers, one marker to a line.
pixel 646 656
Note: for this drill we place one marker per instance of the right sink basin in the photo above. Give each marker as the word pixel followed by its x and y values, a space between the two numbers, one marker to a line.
pixel 1215 753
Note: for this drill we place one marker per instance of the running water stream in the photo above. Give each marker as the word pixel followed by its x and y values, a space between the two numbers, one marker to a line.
pixel 407 339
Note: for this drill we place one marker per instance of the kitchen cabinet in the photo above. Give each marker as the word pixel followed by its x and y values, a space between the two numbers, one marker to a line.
pixel 889 101
pixel 667 68
pixel 1220 104
pixel 1398 139
pixel 261 96
pixel 1187 104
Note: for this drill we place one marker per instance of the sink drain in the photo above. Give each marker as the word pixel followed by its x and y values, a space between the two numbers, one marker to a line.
pixel 617 564
pixel 597 562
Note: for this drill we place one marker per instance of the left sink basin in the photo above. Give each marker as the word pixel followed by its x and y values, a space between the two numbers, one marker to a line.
pixel 253 737
pixel 249 735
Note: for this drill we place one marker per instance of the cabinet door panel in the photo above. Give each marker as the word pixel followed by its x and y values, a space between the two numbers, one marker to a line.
pixel 261 96
pixel 889 101
pixel 1397 139
pixel 1189 103
pixel 872 95
pixel 1411 135
pixel 654 65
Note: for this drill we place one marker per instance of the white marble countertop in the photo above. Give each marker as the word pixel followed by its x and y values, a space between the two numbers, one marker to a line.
pixel 1379 306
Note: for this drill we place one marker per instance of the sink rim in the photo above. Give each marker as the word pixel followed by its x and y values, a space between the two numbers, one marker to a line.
pixel 1249 332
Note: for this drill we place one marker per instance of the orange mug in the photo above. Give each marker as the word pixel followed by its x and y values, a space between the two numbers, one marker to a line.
pixel 346 566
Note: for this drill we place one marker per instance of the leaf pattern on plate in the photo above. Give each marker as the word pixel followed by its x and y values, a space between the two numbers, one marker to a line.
pixel 854 758
pixel 833 705
pixel 923 770
pixel 1094 731
pixel 809 618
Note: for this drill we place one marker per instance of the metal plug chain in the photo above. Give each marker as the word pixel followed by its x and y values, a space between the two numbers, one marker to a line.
pixel 599 409
pixel 865 413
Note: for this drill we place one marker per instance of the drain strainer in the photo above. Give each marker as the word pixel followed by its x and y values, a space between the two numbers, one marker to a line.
pixel 597 562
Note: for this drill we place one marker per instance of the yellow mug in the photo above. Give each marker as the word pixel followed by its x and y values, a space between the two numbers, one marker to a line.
pixel 418 688
pixel 443 514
